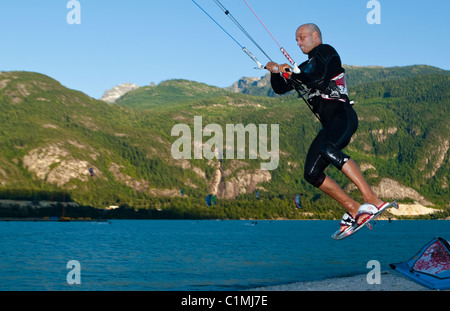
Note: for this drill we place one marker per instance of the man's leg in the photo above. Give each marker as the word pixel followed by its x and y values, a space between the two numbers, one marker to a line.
pixel 351 170
pixel 315 165
pixel 332 189
pixel 337 136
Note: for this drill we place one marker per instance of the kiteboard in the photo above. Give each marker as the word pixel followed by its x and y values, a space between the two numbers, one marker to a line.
pixel 338 235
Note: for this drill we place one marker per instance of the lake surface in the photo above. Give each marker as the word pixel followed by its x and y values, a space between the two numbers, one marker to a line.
pixel 205 255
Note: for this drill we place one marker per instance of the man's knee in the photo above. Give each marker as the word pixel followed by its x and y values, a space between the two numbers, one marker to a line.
pixel 314 179
pixel 334 155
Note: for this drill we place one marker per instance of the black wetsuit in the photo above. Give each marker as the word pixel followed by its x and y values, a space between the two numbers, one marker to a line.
pixel 324 77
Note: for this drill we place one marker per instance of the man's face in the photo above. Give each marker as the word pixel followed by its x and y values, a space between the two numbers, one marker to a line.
pixel 305 39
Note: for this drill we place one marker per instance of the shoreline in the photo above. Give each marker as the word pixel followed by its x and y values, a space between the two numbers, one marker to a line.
pixel 48 219
pixel 81 219
pixel 390 281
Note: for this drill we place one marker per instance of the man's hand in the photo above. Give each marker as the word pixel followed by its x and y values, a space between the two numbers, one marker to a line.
pixel 272 67
pixel 285 68
pixel 275 68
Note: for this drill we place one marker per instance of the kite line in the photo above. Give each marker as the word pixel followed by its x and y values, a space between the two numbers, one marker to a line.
pixel 246 51
pixel 289 58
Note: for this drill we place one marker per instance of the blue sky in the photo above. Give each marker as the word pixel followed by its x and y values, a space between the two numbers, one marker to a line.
pixel 141 41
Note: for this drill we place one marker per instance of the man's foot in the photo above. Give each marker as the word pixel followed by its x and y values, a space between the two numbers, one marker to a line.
pixel 366 211
pixel 346 222
pixel 377 203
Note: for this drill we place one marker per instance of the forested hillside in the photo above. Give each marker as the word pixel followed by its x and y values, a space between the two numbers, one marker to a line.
pixel 50 136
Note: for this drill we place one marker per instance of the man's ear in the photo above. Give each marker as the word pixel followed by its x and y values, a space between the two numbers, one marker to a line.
pixel 316 37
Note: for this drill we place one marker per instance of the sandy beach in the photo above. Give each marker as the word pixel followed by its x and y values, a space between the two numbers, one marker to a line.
pixel 390 281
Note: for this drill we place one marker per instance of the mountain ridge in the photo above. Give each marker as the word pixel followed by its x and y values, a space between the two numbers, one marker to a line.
pixel 355 75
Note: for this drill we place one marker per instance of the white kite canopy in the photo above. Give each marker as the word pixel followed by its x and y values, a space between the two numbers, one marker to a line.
pixel 430 267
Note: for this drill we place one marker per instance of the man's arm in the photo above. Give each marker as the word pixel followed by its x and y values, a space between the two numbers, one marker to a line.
pixel 279 84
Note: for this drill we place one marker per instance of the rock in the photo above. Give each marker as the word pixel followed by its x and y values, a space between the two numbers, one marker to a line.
pixel 389 188
pixel 245 83
pixel 118 91
pixel 392 189
pixel 412 210
pixel 55 165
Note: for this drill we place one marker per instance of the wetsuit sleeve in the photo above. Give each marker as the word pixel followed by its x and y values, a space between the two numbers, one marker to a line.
pixel 317 72
pixel 279 84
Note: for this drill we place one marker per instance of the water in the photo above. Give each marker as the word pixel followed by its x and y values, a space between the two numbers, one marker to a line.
pixel 198 255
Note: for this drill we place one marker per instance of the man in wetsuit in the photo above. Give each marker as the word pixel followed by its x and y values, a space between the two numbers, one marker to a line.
pixel 324 78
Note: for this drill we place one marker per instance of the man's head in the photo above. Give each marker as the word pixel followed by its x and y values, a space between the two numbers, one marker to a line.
pixel 308 36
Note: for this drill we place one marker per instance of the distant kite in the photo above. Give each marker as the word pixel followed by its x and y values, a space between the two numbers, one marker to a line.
pixel 91 171
pixel 297 201
pixel 208 200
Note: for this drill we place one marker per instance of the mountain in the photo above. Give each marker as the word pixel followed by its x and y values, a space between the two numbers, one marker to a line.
pixel 253 86
pixel 169 93
pixel 50 136
pixel 118 91
pixel 355 75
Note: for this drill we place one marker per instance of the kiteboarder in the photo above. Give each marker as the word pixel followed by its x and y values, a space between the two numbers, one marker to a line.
pixel 324 78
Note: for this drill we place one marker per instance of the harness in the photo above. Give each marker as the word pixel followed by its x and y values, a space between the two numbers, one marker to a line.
pixel 336 90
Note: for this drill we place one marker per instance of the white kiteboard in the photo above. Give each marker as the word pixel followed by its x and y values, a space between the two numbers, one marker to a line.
pixel 338 235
